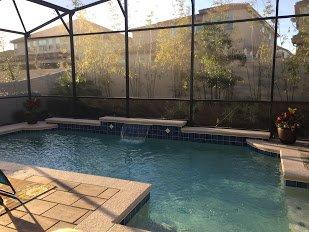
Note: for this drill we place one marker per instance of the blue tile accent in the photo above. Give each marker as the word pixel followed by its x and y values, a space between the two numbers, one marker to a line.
pixel 296 184
pixel 126 220
pixel 159 132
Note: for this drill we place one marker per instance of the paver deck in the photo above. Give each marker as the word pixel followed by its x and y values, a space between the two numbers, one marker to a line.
pixel 80 201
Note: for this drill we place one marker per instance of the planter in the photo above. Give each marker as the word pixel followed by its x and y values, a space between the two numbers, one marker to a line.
pixel 287 136
pixel 31 118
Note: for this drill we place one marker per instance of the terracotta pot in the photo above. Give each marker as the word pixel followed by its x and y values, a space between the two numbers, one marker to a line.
pixel 287 136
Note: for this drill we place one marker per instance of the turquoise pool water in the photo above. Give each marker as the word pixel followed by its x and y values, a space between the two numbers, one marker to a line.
pixel 196 187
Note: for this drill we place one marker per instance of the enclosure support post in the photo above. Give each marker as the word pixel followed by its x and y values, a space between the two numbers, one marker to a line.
pixel 127 58
pixel 72 56
pixel 27 65
pixel 192 62
pixel 73 73
pixel 271 128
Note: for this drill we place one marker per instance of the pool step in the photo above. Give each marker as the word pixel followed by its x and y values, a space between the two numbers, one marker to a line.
pixel 293 160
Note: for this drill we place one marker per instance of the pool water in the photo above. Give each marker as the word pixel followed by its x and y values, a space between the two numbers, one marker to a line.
pixel 196 187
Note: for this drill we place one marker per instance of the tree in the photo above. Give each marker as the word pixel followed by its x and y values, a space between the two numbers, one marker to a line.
pixel 143 71
pixel 215 60
pixel 9 68
pixel 293 70
pixel 173 58
pixel 162 55
pixel 98 59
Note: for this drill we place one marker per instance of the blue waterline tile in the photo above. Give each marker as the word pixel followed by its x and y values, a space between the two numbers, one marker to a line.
pixel 159 132
pixel 296 184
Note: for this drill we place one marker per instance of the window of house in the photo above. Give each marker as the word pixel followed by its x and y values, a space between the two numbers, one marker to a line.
pixel 57 40
pixel 173 31
pixel 50 43
pixel 230 17
pixel 42 42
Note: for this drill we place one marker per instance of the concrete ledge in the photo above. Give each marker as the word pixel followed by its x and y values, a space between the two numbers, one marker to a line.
pixel 25 126
pixel 263 146
pixel 292 158
pixel 107 216
pixel 227 132
pixel 144 121
pixel 293 166
pixel 85 122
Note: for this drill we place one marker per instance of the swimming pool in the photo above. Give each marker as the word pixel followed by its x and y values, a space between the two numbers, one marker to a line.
pixel 196 187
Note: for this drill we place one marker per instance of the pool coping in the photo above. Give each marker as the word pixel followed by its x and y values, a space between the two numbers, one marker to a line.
pixel 109 215
pixel 73 121
pixel 227 132
pixel 26 127
pixel 292 159
pixel 161 129
pixel 144 121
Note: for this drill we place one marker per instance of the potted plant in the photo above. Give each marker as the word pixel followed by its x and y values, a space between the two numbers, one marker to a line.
pixel 32 110
pixel 287 124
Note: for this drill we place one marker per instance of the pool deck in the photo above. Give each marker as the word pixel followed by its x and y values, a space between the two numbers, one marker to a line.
pixel 80 201
pixel 294 159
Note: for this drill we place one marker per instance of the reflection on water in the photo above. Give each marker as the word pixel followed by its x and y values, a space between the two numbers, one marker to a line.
pixel 297 204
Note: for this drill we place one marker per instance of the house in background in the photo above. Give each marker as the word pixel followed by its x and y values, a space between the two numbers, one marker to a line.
pixel 246 37
pixel 51 52
pixel 301 40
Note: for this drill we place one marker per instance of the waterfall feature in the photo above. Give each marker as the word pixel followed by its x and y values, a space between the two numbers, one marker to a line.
pixel 134 133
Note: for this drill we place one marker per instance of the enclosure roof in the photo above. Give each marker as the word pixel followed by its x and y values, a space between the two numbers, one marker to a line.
pixel 66 5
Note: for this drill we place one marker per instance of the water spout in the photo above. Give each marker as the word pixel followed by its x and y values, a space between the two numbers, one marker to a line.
pixel 133 133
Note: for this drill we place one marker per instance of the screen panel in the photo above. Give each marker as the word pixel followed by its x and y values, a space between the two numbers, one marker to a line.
pixel 164 109
pixel 50 66
pixel 293 7
pixel 242 115
pixel 100 65
pixel 8 11
pixel 149 13
pixel 233 61
pixel 33 15
pixel 12 65
pixel 104 17
pixel 216 11
pixel 292 62
pixel 160 63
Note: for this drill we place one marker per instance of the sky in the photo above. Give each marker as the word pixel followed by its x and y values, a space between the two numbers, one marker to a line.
pixel 109 14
